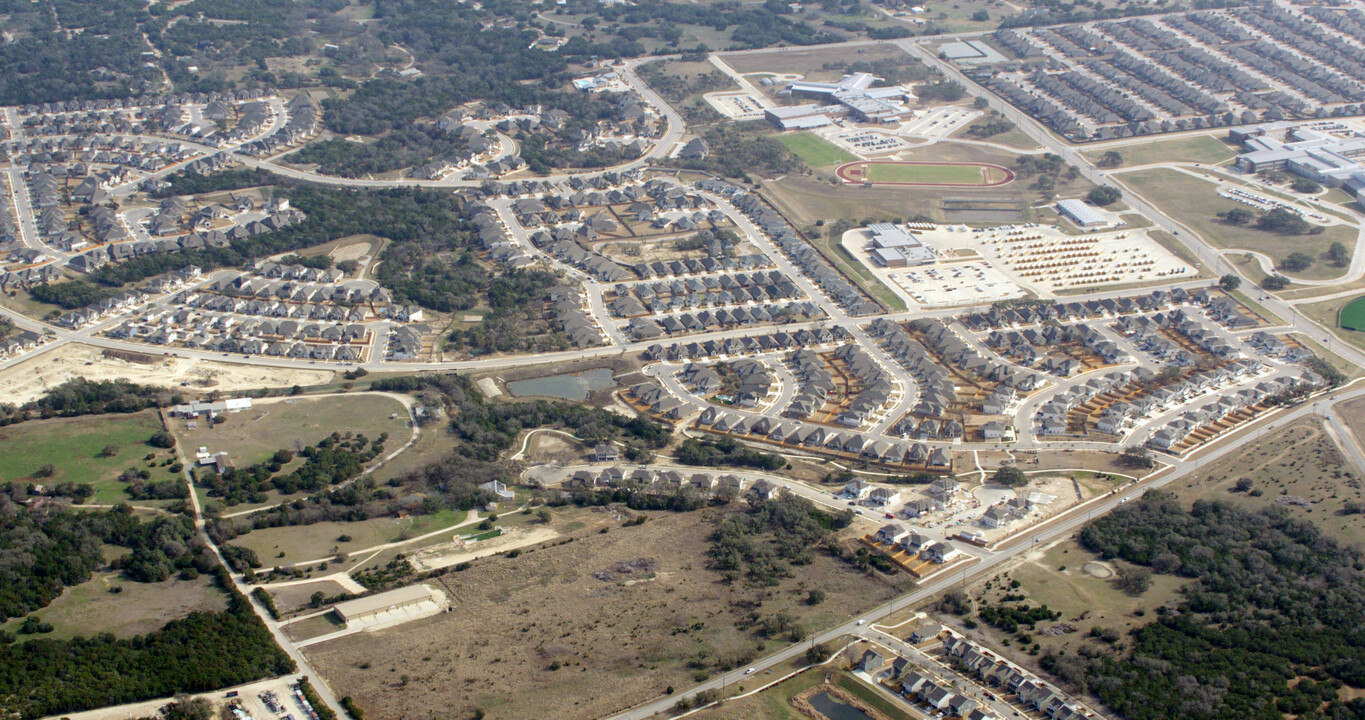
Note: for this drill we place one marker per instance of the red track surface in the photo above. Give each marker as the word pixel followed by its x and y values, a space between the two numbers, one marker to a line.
pixel 842 173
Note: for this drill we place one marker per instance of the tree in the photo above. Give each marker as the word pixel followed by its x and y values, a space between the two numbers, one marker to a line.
pixel 981 103
pixel 1338 254
pixel 1103 195
pixel 1229 282
pixel 981 16
pixel 161 439
pixel 815 596
pixel 348 266
pixel 1111 158
pixel 1137 456
pixel 1304 185
pixel 109 451
pixel 1009 476
pixel 1296 261
pixel 543 515
pixel 45 471
pixel 1275 282
pixel 1283 222
pixel 316 599
pixel 1134 580
pixel 1237 216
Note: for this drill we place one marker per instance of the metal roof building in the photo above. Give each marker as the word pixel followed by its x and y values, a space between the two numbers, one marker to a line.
pixel 1081 213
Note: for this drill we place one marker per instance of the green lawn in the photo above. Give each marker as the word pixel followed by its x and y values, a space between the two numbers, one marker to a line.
pixel 902 173
pixel 74 447
pixel 1353 315
pixel 1196 203
pixel 1200 149
pixel 90 608
pixel 814 150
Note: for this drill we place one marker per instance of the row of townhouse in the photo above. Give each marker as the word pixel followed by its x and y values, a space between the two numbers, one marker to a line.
pixel 567 313
pixel 590 262
pixel 271 308
pixel 29 276
pixel 751 382
pixel 937 391
pixel 751 345
pixel 727 289
pixel 302 123
pixel 1177 430
pixel 1031 692
pixel 19 342
pixel 495 240
pixel 649 328
pixel 939 699
pixel 806 257
pixel 168 325
pixel 540 188
pixel 952 348
pixel 293 271
pixel 1040 311
pixel 1275 347
pixel 816 383
pixel 1051 417
pixel 405 341
pixel 120 302
pixel 660 402
pixel 818 438
pixel 673 481
pixel 1100 345
pixel 117 252
pixel 914 543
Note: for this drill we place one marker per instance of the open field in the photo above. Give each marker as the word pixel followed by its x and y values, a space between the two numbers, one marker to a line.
pixel 771 704
pixel 810 63
pixel 1353 315
pixel 33 377
pixel 90 608
pixel 814 150
pixel 1296 462
pixel 1014 138
pixel 593 645
pixel 290 599
pixel 302 543
pixel 293 423
pixel 1196 203
pixel 1199 149
pixel 74 447
pixel 1069 579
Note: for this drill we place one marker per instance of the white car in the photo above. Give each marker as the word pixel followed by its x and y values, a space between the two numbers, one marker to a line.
pixel 750 671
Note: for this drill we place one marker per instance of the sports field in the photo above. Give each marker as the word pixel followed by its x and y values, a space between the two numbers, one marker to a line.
pixel 1353 315
pixel 814 150
pixel 884 172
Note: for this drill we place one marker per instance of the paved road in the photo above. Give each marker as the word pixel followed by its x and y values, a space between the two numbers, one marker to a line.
pixel 1053 529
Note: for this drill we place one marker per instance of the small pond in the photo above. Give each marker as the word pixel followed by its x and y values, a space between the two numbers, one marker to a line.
pixel 568 387
pixel 835 709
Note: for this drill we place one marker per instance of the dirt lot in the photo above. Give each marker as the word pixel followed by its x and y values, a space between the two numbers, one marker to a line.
pixel 90 608
pixel 293 423
pixel 592 645
pixel 30 379
pixel 1297 462
pixel 291 599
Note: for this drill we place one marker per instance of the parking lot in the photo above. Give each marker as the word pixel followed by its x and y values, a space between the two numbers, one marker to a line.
pixel 736 105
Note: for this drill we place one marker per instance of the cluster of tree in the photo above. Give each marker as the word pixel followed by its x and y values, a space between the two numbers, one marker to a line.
pixel 726 452
pixel 71 294
pixel 1009 476
pixel 941 91
pixel 1279 221
pixel 1046 170
pixel 763 543
pixel 1110 159
pixel 1296 261
pixel 681 501
pixel 677 88
pixel 193 183
pixel 43 552
pixel 1103 195
pixel 333 460
pixel 79 396
pixel 1269 624
pixel 750 25
pixel 738 148
pixel 198 653
pixel 514 320
pixel 1009 618
pixel 1058 12
pixel 990 127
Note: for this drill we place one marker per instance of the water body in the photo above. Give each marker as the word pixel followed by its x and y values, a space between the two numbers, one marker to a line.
pixel 835 709
pixel 566 387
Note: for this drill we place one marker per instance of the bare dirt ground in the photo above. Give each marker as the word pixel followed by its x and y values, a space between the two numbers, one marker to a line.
pixel 32 378
pixel 560 632
pixel 448 554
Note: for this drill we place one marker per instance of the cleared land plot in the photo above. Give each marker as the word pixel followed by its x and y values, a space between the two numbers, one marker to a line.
pixel 1201 149
pixel 1196 203
pixel 810 63
pixel 814 150
pixel 34 376
pixel 1069 579
pixel 291 599
pixel 293 423
pixel 1282 466
pixel 302 543
pixel 1330 313
pixel 540 635
pixel 90 608
pixel 74 447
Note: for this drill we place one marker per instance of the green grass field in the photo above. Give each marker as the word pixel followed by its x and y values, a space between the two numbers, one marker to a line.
pixel 90 608
pixel 1196 203
pixel 1353 315
pixel 814 150
pixel 74 447
pixel 951 174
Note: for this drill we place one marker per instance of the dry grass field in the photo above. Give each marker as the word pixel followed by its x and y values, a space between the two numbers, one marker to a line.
pixel 1296 462
pixel 293 423
pixel 549 634
pixel 137 608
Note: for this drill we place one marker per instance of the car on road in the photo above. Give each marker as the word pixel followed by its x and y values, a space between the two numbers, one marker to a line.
pixel 750 671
